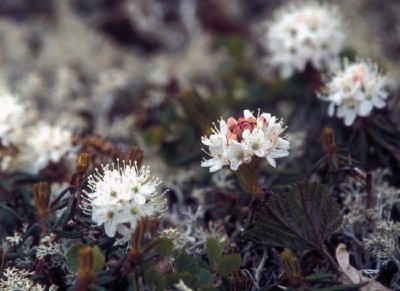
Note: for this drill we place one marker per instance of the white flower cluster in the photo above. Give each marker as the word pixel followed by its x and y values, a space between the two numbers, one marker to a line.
pixel 43 143
pixel 16 279
pixel 120 196
pixel 304 33
pixel 12 118
pixel 355 90
pixel 383 243
pixel 47 143
pixel 28 145
pixel 236 142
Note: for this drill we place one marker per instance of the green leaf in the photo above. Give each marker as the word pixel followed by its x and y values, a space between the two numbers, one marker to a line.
pixel 72 257
pixel 322 276
pixel 204 276
pixel 213 249
pixel 153 277
pixel 228 263
pixel 302 217
pixel 98 259
pixel 73 254
pixel 164 246
pixel 186 263
pixel 189 279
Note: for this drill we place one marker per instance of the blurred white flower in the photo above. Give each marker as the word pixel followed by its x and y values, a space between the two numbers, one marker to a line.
pixel 236 141
pixel 355 89
pixel 12 118
pixel 120 196
pixel 38 145
pixel 44 144
pixel 301 33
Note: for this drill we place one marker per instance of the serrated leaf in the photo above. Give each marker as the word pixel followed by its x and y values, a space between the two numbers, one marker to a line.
pixel 228 263
pixel 302 217
pixel 213 249
pixel 164 246
pixel 98 259
pixel 72 257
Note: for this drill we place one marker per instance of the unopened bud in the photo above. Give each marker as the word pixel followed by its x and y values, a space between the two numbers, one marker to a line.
pixel 82 163
pixel 41 197
pixel 290 265
pixel 329 146
pixel 85 260
pixel 328 141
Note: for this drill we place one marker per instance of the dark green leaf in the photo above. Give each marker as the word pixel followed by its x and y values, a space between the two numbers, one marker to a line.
pixel 164 246
pixel 302 217
pixel 213 249
pixel 204 276
pixel 186 263
pixel 153 277
pixel 72 257
pixel 228 263
pixel 189 279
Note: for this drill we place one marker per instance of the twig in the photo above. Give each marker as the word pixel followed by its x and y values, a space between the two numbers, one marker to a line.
pixel 259 268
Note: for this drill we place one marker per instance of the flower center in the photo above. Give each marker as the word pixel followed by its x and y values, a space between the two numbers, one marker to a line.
pixel 236 128
pixel 239 155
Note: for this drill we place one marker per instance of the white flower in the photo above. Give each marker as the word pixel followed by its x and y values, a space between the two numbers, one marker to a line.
pixel 49 144
pixel 235 142
pixel 256 141
pixel 301 33
pixel 12 118
pixel 355 90
pixel 120 196
pixel 217 144
pixel 237 154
